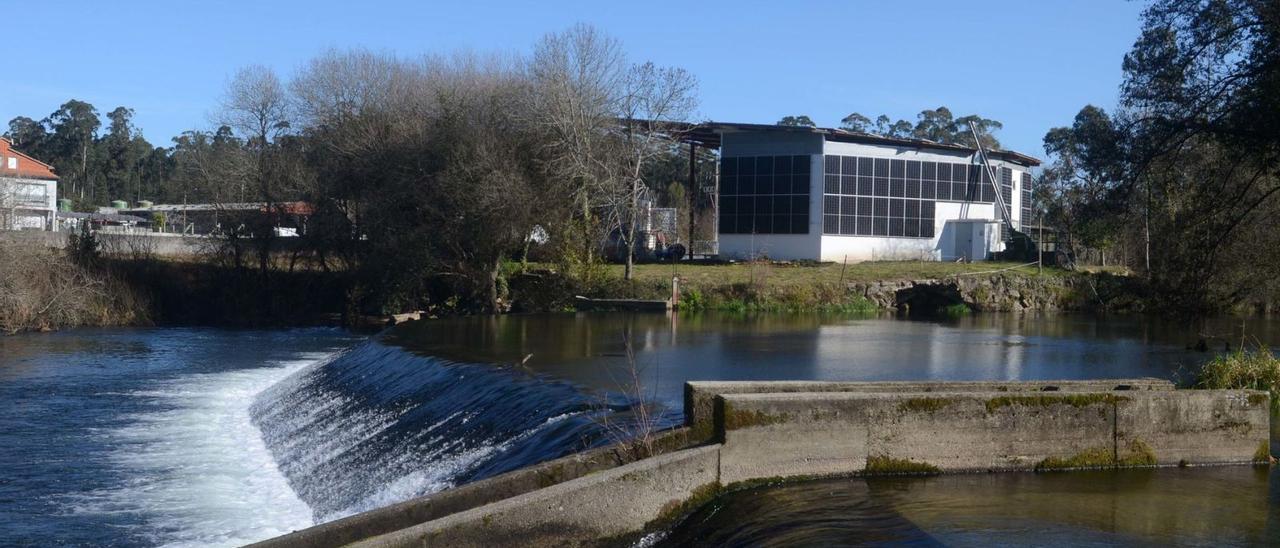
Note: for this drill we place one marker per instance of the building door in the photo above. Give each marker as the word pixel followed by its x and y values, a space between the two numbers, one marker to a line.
pixel 964 241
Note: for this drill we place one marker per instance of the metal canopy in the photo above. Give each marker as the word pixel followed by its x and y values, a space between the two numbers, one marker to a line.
pixel 710 134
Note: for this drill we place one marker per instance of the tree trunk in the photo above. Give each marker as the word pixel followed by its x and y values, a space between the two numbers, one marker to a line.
pixel 628 272
pixel 494 305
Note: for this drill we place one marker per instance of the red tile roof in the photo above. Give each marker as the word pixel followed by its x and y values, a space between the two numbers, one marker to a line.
pixel 28 167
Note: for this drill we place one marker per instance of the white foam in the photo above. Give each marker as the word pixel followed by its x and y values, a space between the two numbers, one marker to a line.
pixel 200 473
pixel 437 477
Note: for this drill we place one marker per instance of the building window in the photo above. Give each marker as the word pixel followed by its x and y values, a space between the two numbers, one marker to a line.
pixel 13 162
pixel 888 197
pixel 769 195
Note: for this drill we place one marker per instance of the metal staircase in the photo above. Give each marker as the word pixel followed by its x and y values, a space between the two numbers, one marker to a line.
pixel 1017 243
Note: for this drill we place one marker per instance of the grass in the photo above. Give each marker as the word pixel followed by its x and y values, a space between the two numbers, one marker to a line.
pixel 773 287
pixel 1257 369
pixel 803 274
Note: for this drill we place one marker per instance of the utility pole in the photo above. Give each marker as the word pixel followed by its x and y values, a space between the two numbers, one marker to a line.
pixel 693 191
pixel 1040 250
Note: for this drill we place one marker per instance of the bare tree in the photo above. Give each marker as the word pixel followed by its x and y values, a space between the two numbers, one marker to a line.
pixel 257 106
pixel 577 77
pixel 607 121
pixel 655 100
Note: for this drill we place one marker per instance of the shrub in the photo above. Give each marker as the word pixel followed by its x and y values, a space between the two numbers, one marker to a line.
pixel 1257 369
pixel 43 288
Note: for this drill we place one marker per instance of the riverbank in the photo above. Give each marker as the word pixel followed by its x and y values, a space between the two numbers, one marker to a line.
pixel 43 289
pixel 907 286
pixel 148 290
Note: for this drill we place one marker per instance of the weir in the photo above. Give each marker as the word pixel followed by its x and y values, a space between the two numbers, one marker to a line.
pixel 376 425
pixel 744 433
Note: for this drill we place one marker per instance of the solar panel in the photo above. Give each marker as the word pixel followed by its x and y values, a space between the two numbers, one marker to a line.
pixel 768 194
pixel 832 165
pixel 887 197
pixel 782 165
pixel 866 167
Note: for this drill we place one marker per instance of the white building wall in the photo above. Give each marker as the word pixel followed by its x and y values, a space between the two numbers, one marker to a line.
pixel 28 204
pixel 828 247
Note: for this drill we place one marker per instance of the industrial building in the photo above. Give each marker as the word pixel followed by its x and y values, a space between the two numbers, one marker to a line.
pixel 28 191
pixel 804 193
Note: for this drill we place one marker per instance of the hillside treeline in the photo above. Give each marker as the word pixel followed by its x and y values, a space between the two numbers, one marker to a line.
pixel 1180 182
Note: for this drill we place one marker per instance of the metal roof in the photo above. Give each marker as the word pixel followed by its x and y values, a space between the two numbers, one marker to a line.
pixel 709 135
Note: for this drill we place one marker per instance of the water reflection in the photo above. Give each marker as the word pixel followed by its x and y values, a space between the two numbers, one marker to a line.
pixel 587 348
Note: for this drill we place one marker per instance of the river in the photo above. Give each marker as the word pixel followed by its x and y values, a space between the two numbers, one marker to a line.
pixel 193 436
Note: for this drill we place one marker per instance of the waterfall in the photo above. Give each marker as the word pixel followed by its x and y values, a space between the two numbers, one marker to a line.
pixel 376 424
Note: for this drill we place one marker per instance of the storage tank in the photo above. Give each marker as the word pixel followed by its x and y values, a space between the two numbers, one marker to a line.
pixel 64 204
pixel 145 203
pixel 119 204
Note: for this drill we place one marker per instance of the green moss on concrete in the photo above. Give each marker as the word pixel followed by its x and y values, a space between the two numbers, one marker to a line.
pixel 674 510
pixel 735 419
pixel 886 465
pixel 1046 400
pixel 702 430
pixel 551 475
pixel 1137 453
pixel 1098 457
pixel 924 405
pixel 1263 454
pixel 1257 399
pixel 670 514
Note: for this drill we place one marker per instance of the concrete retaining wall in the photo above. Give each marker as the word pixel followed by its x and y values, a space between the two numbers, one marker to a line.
pixel 802 434
pixel 472 495
pixel 583 511
pixel 700 396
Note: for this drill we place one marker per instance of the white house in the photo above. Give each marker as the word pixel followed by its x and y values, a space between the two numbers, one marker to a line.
pixel 829 194
pixel 28 191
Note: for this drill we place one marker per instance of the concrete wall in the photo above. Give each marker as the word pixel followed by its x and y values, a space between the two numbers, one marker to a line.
pixel 609 504
pixel 700 396
pixel 137 243
pixel 807 434
pixel 419 510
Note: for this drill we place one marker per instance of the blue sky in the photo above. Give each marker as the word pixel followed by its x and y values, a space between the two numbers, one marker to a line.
pixel 1030 64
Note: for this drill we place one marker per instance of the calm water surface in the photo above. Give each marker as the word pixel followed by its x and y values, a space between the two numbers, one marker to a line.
pixel 143 437
pixel 1212 506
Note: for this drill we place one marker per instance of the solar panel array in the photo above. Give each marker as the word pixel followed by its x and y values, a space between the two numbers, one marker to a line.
pixel 898 198
pixel 1026 199
pixel 764 195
